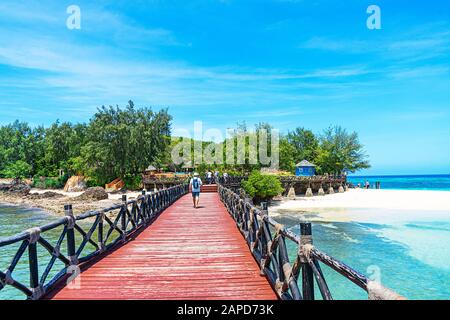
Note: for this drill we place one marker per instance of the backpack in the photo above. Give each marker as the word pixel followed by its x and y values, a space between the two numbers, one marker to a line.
pixel 195 184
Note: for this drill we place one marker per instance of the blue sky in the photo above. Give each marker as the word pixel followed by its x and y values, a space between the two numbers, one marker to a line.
pixel 288 62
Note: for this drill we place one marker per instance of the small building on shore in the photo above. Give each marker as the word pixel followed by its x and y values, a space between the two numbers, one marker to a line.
pixel 151 170
pixel 305 169
pixel 188 168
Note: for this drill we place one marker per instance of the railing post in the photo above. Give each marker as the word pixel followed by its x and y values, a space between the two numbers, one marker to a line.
pixel 156 202
pixel 36 288
pixel 144 210
pixel 148 205
pixel 164 198
pixel 264 206
pixel 153 206
pixel 263 243
pixel 307 272
pixel 123 218
pixel 100 241
pixel 68 210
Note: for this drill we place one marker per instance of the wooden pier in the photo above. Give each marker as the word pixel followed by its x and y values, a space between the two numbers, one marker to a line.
pixel 186 254
pixel 159 247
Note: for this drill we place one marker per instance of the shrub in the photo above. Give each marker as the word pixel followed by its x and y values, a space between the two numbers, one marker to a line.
pixel 133 182
pixel 91 183
pixel 50 183
pixel 261 186
pixel 17 170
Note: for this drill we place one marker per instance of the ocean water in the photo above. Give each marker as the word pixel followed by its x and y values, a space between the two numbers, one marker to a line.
pixel 14 220
pixel 412 258
pixel 407 182
pixel 408 251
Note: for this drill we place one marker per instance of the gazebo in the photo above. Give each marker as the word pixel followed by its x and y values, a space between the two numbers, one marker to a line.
pixel 305 169
pixel 188 167
pixel 151 170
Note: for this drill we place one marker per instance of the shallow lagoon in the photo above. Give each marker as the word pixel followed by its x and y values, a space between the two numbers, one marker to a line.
pixel 411 258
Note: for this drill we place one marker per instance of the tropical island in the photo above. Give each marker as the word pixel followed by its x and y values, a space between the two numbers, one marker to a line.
pixel 121 143
pixel 322 146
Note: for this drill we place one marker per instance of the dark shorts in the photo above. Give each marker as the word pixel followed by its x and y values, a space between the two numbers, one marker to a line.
pixel 195 194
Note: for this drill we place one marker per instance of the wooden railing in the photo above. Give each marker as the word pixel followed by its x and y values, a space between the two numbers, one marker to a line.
pixel 231 180
pixel 267 241
pixel 106 229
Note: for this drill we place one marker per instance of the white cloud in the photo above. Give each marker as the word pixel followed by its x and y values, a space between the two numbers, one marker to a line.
pixel 416 46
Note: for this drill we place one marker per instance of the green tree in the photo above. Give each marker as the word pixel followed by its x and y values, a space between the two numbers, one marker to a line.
pixel 63 145
pixel 341 151
pixel 123 142
pixel 305 143
pixel 17 170
pixel 18 141
pixel 287 155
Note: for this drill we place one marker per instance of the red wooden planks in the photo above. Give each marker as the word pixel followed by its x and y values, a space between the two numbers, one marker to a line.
pixel 186 254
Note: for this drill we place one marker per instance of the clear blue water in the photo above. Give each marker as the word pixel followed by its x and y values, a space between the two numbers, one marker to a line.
pixel 14 220
pixel 410 182
pixel 414 273
pixel 410 256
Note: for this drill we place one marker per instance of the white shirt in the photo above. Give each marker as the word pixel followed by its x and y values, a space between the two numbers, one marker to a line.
pixel 191 183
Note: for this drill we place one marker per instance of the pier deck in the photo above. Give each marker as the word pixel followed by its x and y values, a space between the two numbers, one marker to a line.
pixel 186 253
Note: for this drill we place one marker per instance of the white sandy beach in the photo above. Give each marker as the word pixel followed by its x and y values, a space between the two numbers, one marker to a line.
pixel 372 205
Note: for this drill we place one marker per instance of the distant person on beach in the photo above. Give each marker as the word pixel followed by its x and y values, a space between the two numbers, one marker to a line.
pixel 367 184
pixel 195 186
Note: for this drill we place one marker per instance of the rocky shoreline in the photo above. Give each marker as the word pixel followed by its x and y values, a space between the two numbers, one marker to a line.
pixel 53 201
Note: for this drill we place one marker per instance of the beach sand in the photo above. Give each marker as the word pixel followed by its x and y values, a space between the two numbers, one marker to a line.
pixel 362 205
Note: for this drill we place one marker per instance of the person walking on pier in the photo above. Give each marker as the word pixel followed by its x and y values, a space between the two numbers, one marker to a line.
pixel 225 177
pixel 209 176
pixel 216 176
pixel 195 186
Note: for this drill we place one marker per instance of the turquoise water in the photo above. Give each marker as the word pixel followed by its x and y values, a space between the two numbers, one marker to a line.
pixel 408 251
pixel 410 182
pixel 411 257
pixel 398 255
pixel 14 220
